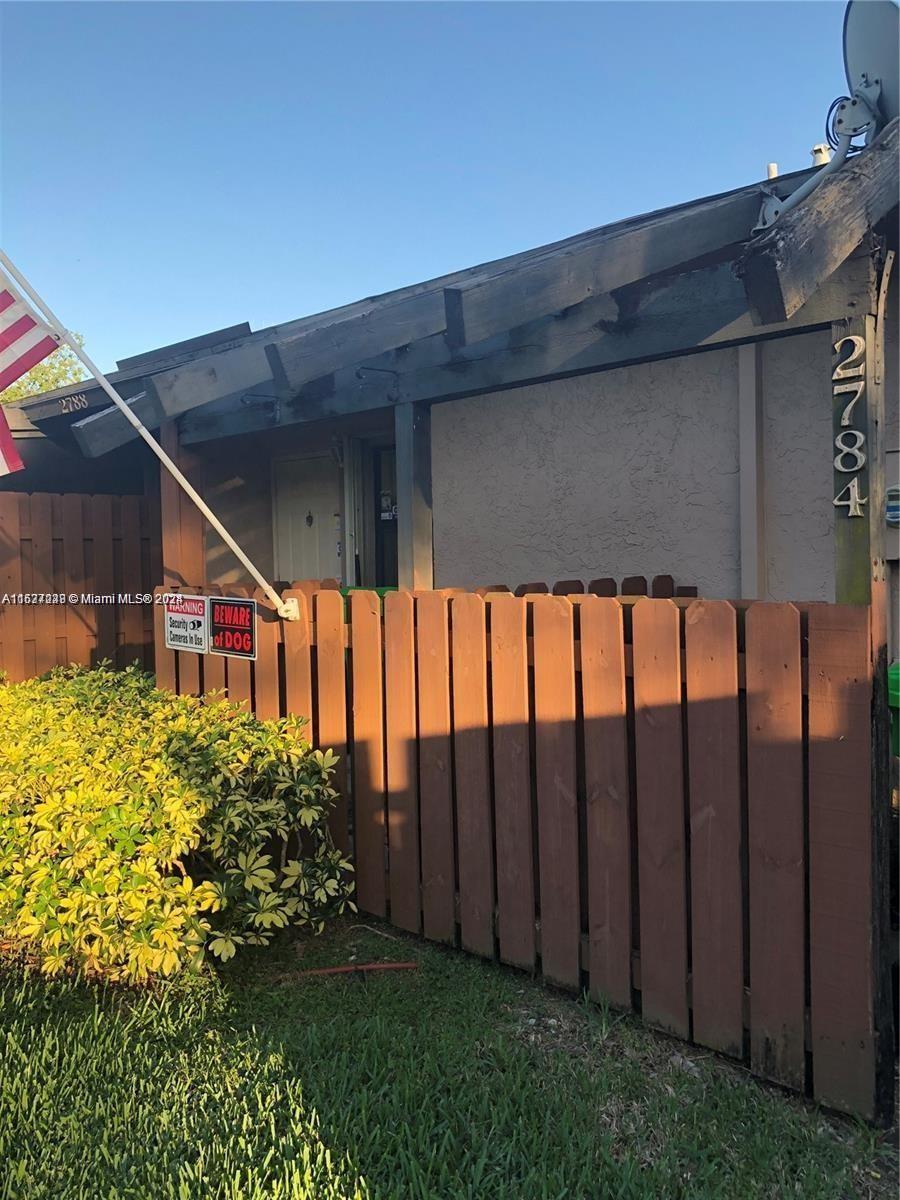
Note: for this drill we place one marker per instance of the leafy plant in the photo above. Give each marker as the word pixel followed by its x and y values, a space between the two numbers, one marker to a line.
pixel 139 830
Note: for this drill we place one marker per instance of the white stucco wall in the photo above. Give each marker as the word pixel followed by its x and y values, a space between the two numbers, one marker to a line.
pixel 633 471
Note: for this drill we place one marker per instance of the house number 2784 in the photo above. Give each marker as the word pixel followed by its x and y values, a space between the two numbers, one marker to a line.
pixel 849 379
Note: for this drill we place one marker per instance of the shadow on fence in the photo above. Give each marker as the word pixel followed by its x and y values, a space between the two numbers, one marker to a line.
pixel 665 802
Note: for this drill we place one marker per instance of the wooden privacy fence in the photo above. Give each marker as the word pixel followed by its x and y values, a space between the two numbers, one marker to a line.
pixel 667 802
pixel 68 565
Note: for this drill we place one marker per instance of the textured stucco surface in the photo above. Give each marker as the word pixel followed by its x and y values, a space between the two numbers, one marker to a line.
pixel 633 471
pixel 798 467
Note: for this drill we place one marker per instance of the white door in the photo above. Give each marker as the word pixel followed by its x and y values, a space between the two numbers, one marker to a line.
pixel 307 519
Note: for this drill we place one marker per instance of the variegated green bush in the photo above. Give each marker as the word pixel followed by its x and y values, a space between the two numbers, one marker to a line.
pixel 140 830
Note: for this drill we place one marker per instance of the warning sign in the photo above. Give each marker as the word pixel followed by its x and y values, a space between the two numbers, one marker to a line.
pixel 232 627
pixel 185 623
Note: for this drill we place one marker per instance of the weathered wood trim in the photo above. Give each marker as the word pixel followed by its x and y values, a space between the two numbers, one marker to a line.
pixel 211 378
pixel 484 307
pixel 783 267
pixel 412 438
pixel 679 314
pixel 857 540
pixel 108 429
pixel 751 446
pixel 363 335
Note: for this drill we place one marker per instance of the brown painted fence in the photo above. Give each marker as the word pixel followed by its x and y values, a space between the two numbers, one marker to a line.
pixel 97 549
pixel 667 802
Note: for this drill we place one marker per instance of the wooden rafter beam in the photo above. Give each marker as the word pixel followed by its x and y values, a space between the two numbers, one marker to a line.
pixel 686 312
pixel 506 286
pixel 482 308
pixel 784 266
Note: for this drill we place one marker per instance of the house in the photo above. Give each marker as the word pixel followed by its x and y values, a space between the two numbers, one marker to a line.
pixel 669 394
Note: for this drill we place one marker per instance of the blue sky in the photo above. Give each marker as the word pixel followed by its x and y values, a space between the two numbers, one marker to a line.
pixel 171 168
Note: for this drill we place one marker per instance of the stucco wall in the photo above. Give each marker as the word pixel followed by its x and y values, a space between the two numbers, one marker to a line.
pixel 633 471
pixel 798 467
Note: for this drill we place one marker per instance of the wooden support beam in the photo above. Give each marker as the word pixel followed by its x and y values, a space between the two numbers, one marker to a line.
pixel 691 311
pixel 182 525
pixel 482 308
pixel 359 336
pixel 754 584
pixel 210 378
pixel 861 579
pixel 783 267
pixel 412 437
pixel 108 429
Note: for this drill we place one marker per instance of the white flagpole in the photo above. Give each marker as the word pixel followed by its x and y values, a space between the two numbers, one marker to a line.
pixel 288 610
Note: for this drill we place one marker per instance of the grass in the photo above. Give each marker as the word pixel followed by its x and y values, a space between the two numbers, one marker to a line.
pixel 459 1081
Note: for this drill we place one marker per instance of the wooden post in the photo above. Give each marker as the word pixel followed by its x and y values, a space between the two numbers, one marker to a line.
pixel 754 584
pixel 183 534
pixel 412 438
pixel 857 421
pixel 861 578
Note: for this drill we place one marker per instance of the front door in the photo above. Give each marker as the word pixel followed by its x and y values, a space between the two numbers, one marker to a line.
pixel 307 512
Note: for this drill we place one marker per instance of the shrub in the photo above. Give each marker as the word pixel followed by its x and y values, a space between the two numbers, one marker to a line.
pixel 140 830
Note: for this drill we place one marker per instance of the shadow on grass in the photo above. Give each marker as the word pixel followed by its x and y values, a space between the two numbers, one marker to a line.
pixel 459 1080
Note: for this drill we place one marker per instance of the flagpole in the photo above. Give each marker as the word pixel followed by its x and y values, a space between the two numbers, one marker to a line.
pixel 288 610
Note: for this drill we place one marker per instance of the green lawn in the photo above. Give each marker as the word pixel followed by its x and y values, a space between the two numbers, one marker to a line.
pixel 459 1080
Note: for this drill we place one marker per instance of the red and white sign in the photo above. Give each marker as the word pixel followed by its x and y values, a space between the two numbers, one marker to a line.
pixel 232 627
pixel 25 340
pixel 186 623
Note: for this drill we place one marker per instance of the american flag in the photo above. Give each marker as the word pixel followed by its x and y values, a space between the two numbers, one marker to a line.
pixel 25 340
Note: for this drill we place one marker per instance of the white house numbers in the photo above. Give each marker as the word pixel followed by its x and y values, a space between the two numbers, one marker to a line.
pixel 849 394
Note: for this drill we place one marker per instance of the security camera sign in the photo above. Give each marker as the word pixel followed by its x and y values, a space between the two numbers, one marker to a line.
pixel 186 623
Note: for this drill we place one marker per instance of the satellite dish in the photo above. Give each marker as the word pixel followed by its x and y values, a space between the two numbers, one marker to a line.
pixel 872 51
pixel 871 45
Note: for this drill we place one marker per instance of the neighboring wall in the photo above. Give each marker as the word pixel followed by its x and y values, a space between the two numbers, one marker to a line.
pixel 635 471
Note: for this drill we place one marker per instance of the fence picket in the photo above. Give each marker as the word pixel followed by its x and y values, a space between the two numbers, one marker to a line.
pixel 237 670
pixel 775 823
pixel 717 923
pixel 512 780
pixel 331 694
pixel 213 664
pixel 103 580
pixel 608 823
pixel 400 744
pixel 297 662
pixel 164 659
pixel 42 575
pixel 13 632
pixel 436 808
pixel 474 824
pixel 844 1041
pixel 78 629
pixel 368 751
pixel 662 884
pixel 555 777
pixel 132 616
pixel 266 688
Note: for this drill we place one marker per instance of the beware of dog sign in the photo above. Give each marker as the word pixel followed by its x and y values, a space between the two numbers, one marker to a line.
pixel 232 627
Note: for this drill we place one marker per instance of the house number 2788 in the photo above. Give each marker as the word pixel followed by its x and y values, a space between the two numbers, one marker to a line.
pixel 849 379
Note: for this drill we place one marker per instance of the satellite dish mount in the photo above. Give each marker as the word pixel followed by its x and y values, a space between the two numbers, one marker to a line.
pixel 870 64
